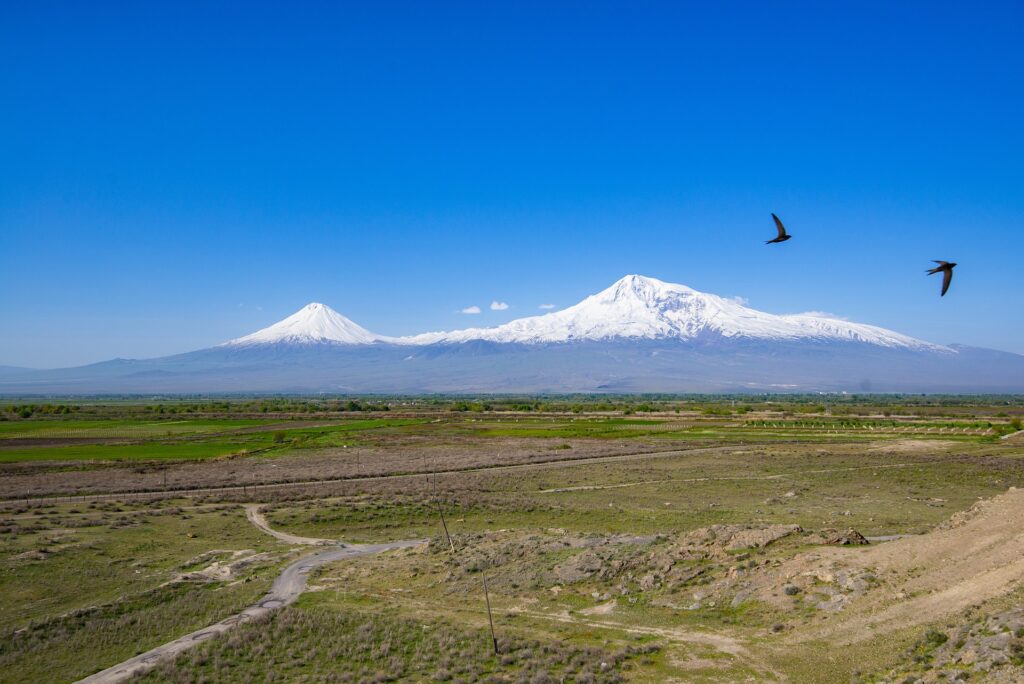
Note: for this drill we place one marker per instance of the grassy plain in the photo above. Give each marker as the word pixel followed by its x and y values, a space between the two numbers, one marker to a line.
pixel 602 526
pixel 88 585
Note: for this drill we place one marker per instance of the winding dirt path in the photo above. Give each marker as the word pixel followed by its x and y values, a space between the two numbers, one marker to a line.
pixel 252 512
pixel 288 586
pixel 285 590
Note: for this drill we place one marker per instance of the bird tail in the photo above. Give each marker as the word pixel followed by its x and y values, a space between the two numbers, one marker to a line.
pixel 933 271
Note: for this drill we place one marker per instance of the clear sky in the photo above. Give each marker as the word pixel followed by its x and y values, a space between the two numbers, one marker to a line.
pixel 176 174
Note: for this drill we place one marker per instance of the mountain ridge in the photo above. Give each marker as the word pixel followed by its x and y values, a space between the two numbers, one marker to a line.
pixel 634 307
pixel 639 335
pixel 638 306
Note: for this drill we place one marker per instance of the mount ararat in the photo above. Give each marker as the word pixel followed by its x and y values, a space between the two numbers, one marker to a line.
pixel 639 335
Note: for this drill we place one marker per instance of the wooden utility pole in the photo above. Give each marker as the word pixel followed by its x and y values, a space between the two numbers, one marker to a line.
pixel 490 619
pixel 440 512
pixel 437 502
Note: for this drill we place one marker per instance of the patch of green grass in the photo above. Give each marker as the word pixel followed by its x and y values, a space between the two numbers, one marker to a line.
pixel 73 646
pixel 839 488
pixel 312 642
pixel 121 429
pixel 199 448
pixel 373 520
pixel 149 451
pixel 45 562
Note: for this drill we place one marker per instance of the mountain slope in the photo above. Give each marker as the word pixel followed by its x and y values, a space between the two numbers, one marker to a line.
pixel 639 335
pixel 614 366
pixel 638 307
pixel 312 324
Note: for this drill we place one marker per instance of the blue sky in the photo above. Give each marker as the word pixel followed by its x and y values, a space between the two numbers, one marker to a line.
pixel 173 175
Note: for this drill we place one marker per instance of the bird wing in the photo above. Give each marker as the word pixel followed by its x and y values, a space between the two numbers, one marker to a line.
pixel 940 263
pixel 778 226
pixel 947 278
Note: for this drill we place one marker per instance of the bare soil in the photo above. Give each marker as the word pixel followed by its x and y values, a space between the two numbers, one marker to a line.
pixel 23 480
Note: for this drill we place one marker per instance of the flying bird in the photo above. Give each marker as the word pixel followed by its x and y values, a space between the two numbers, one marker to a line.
pixel 946 267
pixel 783 235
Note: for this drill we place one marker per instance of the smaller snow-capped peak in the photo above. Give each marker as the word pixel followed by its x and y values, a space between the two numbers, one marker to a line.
pixel 640 307
pixel 312 324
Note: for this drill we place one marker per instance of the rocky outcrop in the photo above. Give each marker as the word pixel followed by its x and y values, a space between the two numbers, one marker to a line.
pixel 850 537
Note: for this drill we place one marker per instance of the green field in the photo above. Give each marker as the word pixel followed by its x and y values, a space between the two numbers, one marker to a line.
pixel 118 429
pixel 181 440
pixel 85 587
pixel 583 521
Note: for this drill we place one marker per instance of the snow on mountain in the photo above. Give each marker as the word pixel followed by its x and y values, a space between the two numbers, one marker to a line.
pixel 312 324
pixel 634 307
pixel 637 332
pixel 647 308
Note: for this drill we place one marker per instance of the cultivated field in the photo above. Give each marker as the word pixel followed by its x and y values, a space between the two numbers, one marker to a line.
pixel 719 539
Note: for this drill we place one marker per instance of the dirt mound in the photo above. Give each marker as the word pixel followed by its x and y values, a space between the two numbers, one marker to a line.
pixel 719 538
pixel 518 560
pixel 977 556
pixel 631 562
pixel 220 571
pixel 850 537
pixel 672 562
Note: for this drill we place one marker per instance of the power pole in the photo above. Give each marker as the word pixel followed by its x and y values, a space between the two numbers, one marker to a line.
pixel 440 512
pixel 490 618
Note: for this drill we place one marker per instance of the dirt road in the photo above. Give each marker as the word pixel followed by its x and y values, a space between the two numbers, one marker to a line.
pixel 286 589
pixel 252 512
pixel 278 486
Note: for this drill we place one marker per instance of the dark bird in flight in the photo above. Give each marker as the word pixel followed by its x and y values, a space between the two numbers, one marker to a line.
pixel 783 235
pixel 946 268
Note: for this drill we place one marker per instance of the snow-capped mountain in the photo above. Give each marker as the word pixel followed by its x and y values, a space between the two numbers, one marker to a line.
pixel 646 308
pixel 634 307
pixel 639 335
pixel 312 324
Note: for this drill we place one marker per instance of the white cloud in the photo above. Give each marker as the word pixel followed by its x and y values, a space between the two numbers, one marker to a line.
pixel 742 301
pixel 546 306
pixel 498 306
pixel 823 314
pixel 471 310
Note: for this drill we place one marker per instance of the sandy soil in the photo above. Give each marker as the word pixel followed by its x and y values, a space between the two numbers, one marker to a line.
pixel 977 556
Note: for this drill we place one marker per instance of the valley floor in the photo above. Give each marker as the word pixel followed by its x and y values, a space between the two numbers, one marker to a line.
pixel 776 542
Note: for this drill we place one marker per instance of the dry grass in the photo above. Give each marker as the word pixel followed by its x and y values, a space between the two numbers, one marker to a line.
pixel 320 645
